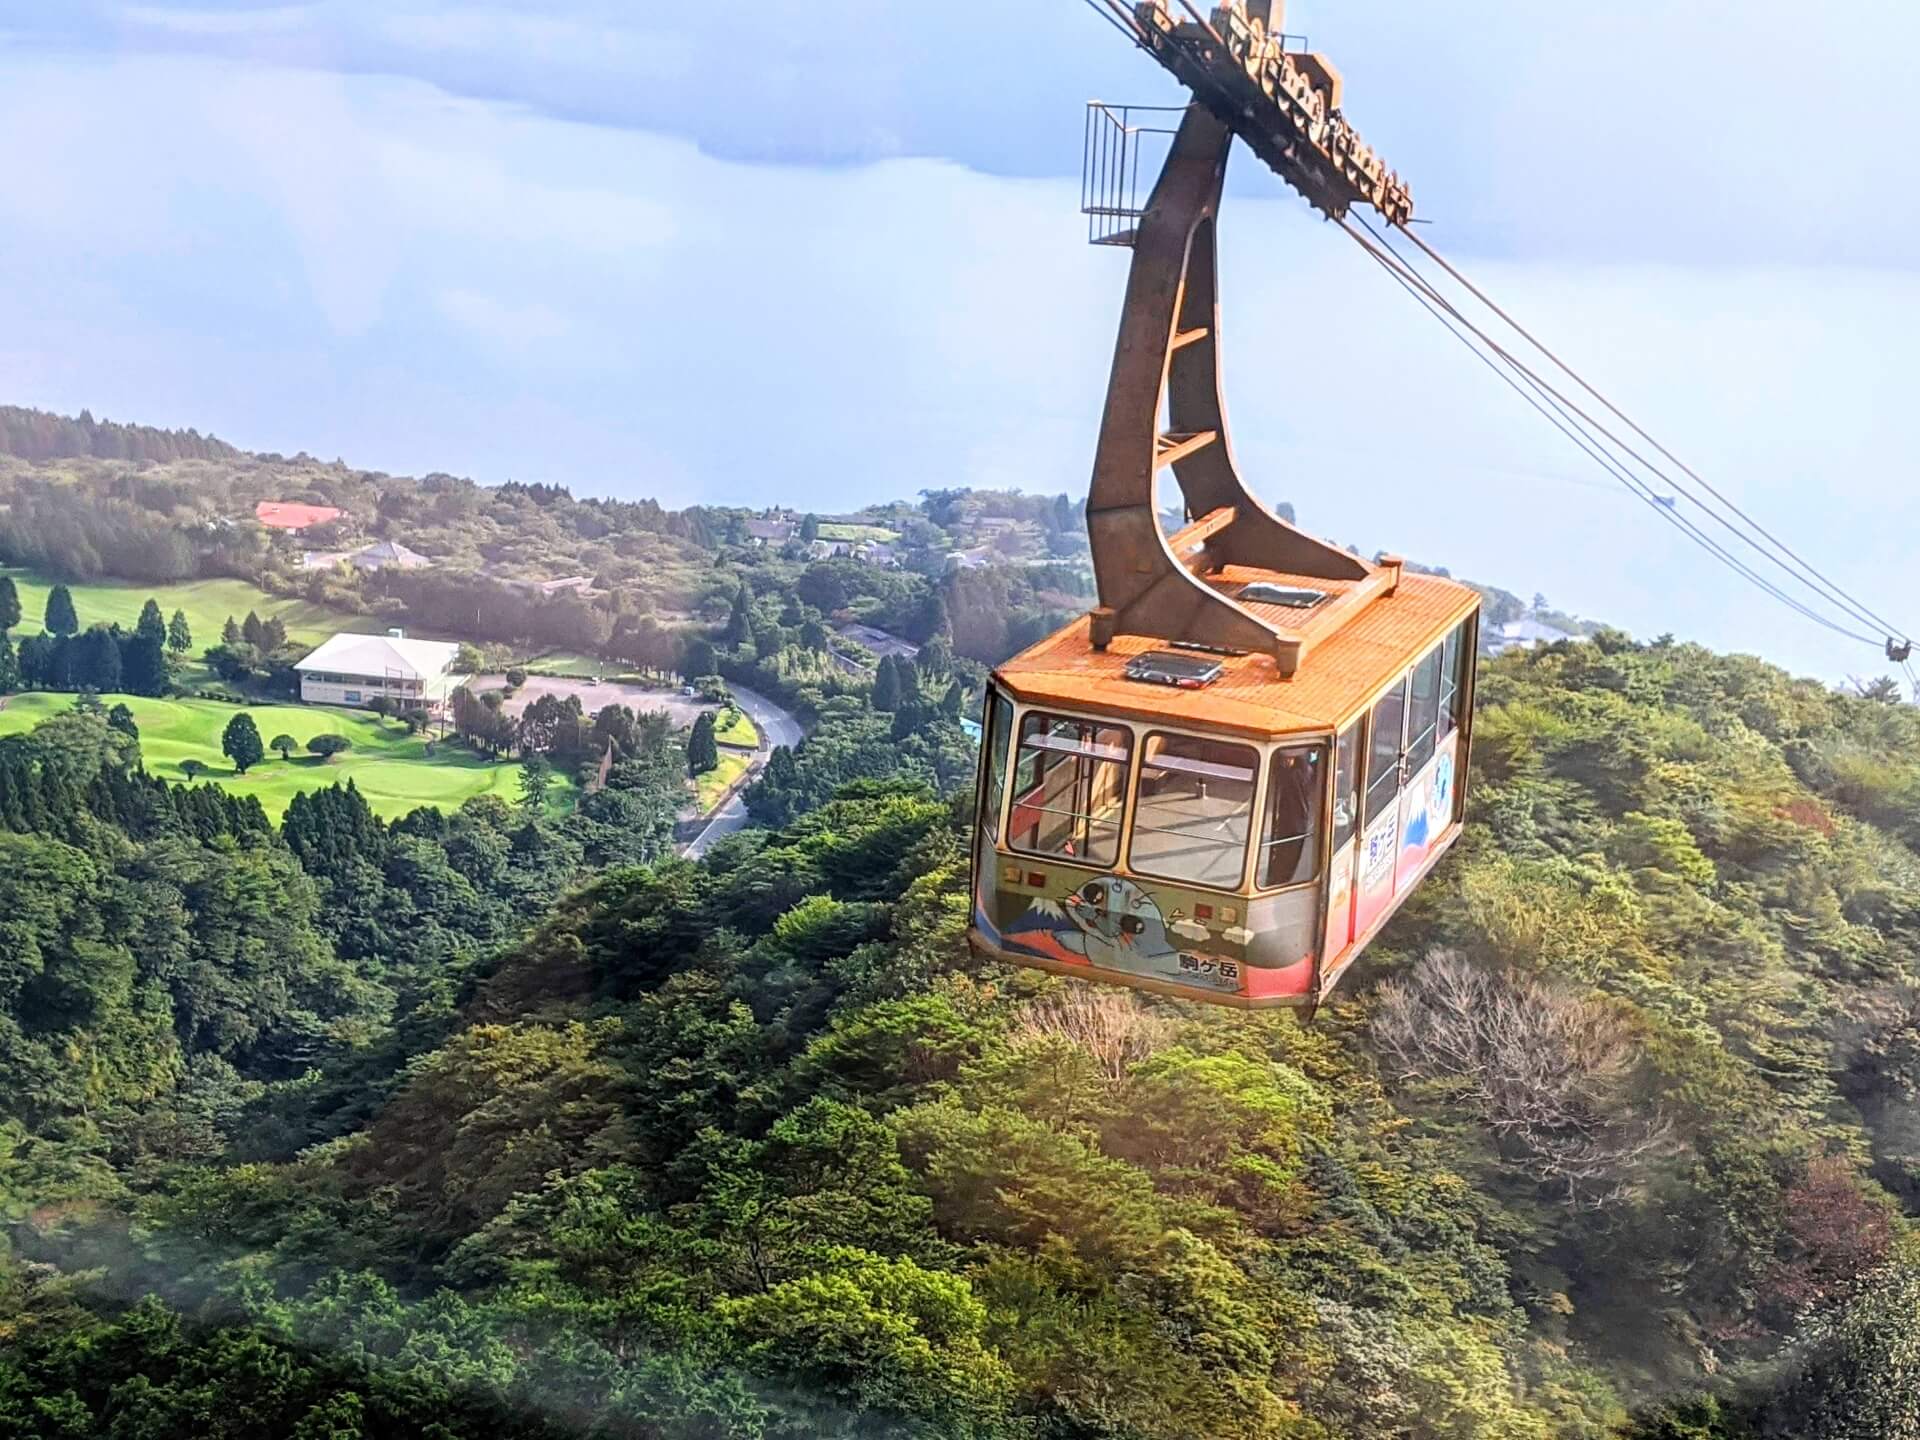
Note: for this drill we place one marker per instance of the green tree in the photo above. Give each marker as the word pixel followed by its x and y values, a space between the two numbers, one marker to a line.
pixel 9 604
pixel 739 619
pixel 151 625
pixel 9 665
pixel 886 685
pixel 120 718
pixel 285 745
pixel 179 634
pixel 230 635
pixel 143 666
pixel 253 631
pixel 61 617
pixel 703 751
pixel 536 778
pixel 240 743
pixel 328 746
pixel 809 528
pixel 96 660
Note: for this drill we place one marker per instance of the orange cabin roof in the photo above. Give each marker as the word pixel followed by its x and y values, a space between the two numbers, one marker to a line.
pixel 1353 652
pixel 291 515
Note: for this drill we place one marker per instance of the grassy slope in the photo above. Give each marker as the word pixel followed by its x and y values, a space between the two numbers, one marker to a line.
pixel 207 604
pixel 837 530
pixel 740 732
pixel 390 767
pixel 712 785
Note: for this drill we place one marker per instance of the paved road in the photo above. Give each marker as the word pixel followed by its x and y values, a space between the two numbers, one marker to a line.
pixel 776 727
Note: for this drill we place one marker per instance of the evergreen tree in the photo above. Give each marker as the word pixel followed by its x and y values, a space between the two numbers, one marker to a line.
pixel 151 625
pixel 740 620
pixel 241 743
pixel 273 634
pixel 230 632
pixel 697 660
pixel 96 661
pixel 810 529
pixel 179 634
pixel 9 665
pixel 536 777
pixel 284 744
pixel 61 618
pixel 782 773
pixel 954 701
pixel 252 631
pixel 143 666
pixel 703 751
pixel 9 604
pixel 121 718
pixel 886 685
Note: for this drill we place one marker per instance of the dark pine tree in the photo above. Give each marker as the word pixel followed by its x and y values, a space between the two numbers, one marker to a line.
pixel 179 634
pixel 9 604
pixel 886 685
pixel 61 618
pixel 143 666
pixel 703 751
pixel 96 660
pixel 739 620
pixel 151 625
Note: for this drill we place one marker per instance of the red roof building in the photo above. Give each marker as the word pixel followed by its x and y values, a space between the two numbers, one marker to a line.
pixel 287 515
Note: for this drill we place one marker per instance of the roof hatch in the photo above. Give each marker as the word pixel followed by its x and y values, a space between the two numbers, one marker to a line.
pixel 1184 672
pixel 1263 592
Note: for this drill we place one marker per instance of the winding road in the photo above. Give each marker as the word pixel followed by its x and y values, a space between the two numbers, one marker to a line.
pixel 776 727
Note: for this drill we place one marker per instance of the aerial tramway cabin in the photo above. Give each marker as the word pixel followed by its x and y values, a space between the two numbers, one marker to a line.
pixel 1223 780
pixel 1199 824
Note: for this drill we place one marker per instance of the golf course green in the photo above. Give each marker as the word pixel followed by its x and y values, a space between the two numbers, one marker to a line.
pixel 206 604
pixel 388 766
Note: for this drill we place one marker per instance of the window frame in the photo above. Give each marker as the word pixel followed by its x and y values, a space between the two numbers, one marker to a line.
pixel 1125 762
pixel 1355 732
pixel 1247 842
pixel 1455 656
pixel 1317 816
pixel 993 807
pixel 1419 749
pixel 1369 812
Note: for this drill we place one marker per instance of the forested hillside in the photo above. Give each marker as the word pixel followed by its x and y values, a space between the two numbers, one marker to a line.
pixel 366 1131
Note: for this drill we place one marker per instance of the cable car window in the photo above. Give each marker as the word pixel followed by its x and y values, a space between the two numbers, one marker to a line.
pixel 1070 788
pixel 1423 714
pixel 999 737
pixel 1290 852
pixel 1346 786
pixel 1385 732
pixel 1195 810
pixel 1453 680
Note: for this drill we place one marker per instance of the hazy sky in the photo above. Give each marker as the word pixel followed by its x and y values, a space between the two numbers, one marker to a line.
pixel 835 258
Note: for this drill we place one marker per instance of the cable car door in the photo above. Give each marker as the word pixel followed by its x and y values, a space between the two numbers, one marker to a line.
pixel 1380 810
pixel 1341 892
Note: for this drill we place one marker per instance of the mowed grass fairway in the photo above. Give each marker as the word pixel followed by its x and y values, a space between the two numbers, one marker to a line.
pixel 206 604
pixel 388 766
